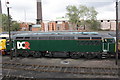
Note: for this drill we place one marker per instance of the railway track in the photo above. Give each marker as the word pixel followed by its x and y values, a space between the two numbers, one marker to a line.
pixel 62 69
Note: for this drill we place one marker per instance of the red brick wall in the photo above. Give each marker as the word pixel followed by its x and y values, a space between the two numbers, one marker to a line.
pixel 65 25
pixel 24 27
pixel 35 29
pixel 119 26
pixel 42 26
pixel 52 26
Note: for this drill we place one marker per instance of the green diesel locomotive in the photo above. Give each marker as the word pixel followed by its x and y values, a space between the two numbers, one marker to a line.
pixel 74 45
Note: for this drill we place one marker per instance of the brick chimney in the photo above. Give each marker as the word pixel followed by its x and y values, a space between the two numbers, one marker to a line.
pixel 39 12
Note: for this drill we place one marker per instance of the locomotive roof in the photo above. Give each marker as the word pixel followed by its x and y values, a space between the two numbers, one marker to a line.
pixel 72 34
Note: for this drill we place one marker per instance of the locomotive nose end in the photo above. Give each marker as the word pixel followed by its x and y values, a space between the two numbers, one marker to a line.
pixel 2 52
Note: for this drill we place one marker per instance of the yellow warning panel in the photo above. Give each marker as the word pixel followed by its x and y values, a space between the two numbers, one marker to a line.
pixel 2 44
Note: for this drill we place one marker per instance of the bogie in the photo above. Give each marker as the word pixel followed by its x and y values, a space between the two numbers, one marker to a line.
pixel 89 55
pixel 25 53
pixel 48 54
pixel 75 55
pixel 37 54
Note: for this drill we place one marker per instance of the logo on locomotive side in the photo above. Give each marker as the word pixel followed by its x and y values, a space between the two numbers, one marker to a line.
pixel 23 45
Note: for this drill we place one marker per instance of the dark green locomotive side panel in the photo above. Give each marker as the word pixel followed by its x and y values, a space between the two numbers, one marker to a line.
pixel 61 45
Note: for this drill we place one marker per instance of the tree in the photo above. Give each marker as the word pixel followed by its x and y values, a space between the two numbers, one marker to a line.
pixel 4 22
pixel 14 25
pixel 82 16
pixel 73 15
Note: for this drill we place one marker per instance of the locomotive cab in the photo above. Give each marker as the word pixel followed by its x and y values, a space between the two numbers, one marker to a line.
pixel 108 44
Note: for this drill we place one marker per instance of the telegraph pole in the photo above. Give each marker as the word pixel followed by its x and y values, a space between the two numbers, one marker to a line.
pixel 1 17
pixel 0 7
pixel 8 12
pixel 116 32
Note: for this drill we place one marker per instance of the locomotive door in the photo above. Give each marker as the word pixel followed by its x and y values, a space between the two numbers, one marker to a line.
pixel 105 45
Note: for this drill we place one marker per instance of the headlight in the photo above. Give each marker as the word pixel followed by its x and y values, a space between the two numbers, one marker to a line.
pixel 12 49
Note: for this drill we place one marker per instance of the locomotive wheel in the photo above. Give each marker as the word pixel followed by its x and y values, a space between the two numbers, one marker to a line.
pixel 49 54
pixel 75 55
pixel 37 54
pixel 25 53
pixel 89 55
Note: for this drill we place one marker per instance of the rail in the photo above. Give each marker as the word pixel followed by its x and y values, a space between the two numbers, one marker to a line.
pixel 62 69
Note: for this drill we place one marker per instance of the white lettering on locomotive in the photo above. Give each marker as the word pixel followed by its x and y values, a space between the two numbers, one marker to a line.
pixel 23 45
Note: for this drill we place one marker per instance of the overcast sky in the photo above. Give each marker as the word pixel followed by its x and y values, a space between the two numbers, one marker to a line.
pixel 25 10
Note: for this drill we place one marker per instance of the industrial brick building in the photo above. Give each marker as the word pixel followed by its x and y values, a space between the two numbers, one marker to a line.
pixel 108 25
pixel 64 25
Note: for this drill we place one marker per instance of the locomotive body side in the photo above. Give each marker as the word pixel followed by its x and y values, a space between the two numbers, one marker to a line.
pixel 61 45
pixel 73 46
